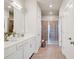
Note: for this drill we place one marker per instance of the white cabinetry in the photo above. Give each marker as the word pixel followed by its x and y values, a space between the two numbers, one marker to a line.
pixel 37 43
pixel 12 56
pixel 9 52
pixel 14 52
pixel 19 52
pixel 26 49
pixel 23 49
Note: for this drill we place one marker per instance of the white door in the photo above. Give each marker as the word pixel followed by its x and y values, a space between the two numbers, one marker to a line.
pixel 68 30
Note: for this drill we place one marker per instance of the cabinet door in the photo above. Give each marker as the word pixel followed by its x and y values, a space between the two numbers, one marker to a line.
pixel 29 48
pixel 38 39
pixel 26 49
pixel 37 43
pixel 17 55
pixel 26 54
pixel 32 44
pixel 20 51
pixel 13 56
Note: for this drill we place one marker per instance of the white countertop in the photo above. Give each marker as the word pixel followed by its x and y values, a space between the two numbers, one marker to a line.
pixel 17 40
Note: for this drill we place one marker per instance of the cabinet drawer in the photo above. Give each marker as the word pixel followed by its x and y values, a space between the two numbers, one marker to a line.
pixel 20 45
pixel 8 51
pixel 27 45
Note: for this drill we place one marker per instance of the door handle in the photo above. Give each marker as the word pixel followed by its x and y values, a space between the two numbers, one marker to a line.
pixel 72 43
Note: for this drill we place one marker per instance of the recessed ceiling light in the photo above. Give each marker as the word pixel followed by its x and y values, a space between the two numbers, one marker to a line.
pixel 9 6
pixel 50 6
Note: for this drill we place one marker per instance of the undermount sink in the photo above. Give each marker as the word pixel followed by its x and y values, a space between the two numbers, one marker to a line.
pixel 11 39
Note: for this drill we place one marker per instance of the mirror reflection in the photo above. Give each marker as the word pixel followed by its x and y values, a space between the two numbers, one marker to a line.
pixel 8 19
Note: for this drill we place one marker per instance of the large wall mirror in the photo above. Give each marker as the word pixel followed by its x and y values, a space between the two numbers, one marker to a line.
pixel 8 18
pixel 11 21
pixel 14 18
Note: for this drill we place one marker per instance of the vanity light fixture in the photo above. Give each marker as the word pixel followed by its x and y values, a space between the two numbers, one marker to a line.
pixel 9 7
pixel 16 5
pixel 69 5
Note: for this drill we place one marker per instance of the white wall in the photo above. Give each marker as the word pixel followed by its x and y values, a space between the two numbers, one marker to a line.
pixel 38 19
pixel 6 16
pixel 19 18
pixel 18 21
pixel 31 16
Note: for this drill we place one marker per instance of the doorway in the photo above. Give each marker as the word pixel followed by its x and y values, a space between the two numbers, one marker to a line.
pixel 53 32
pixel 49 32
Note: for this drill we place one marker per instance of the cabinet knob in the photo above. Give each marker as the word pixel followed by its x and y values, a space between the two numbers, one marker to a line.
pixel 70 38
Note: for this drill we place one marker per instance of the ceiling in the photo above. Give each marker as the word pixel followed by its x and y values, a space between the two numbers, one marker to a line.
pixel 44 5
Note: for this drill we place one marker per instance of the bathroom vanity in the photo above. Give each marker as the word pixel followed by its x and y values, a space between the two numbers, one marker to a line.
pixel 22 48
